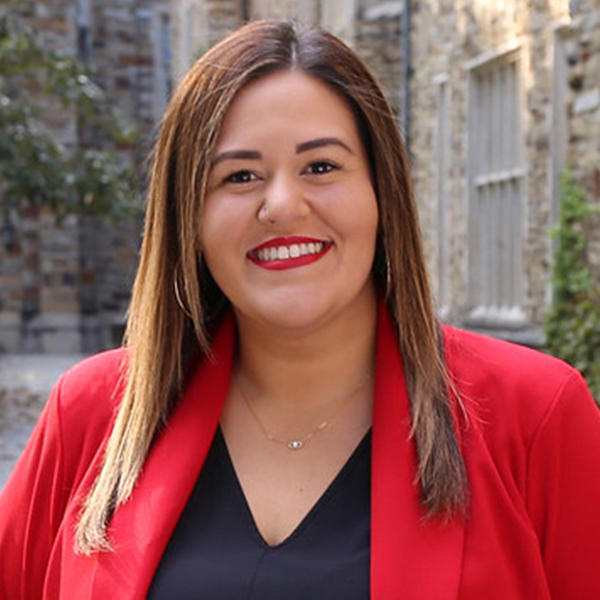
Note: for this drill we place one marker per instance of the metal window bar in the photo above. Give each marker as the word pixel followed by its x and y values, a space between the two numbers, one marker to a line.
pixel 495 264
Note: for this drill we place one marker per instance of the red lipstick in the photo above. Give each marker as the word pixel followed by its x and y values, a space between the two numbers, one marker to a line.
pixel 289 252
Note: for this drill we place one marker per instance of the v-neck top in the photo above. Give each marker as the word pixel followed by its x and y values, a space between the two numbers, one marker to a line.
pixel 217 553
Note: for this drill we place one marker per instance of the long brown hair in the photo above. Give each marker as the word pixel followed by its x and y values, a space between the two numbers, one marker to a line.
pixel 175 302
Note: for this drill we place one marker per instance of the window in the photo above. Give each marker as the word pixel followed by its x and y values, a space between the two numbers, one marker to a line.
pixel 83 20
pixel 442 177
pixel 496 196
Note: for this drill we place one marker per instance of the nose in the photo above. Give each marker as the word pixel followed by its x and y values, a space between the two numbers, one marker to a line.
pixel 284 201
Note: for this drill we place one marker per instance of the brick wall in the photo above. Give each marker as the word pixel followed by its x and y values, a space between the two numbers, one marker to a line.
pixel 65 288
pixel 447 39
pixel 582 45
pixel 77 278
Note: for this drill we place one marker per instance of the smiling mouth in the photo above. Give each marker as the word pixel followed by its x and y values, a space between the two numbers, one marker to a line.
pixel 279 254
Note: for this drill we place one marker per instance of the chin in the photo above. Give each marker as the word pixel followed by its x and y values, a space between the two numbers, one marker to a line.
pixel 295 317
pixel 304 313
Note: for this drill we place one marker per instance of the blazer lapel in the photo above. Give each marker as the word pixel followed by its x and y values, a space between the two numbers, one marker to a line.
pixel 411 558
pixel 142 527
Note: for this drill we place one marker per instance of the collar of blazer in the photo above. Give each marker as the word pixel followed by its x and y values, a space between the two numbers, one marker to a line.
pixel 410 558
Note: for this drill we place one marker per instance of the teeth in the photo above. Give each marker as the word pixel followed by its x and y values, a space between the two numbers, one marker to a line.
pixel 292 251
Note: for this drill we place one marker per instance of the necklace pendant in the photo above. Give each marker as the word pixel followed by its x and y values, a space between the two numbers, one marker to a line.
pixel 295 445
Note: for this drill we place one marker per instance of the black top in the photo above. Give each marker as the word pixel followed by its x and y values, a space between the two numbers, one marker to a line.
pixel 217 553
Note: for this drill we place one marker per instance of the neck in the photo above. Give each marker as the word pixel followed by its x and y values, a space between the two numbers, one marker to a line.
pixel 310 369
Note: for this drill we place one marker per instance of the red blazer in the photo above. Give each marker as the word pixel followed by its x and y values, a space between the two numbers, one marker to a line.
pixel 532 449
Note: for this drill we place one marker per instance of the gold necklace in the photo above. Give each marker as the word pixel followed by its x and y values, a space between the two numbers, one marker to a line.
pixel 295 443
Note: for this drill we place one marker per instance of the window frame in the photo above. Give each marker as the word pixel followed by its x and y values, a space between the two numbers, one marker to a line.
pixel 496 282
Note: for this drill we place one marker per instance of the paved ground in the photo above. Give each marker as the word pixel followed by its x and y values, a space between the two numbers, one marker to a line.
pixel 25 382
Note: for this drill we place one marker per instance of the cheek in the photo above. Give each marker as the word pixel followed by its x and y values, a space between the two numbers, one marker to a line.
pixel 221 222
pixel 371 213
pixel 368 211
pixel 217 228
pixel 357 213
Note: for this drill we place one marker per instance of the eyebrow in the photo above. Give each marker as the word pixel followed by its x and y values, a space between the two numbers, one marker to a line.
pixel 319 142
pixel 248 154
pixel 303 147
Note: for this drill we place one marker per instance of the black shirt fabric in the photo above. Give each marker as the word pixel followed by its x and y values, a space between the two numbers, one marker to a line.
pixel 217 553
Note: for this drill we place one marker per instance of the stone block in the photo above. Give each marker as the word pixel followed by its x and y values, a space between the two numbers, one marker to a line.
pixel 66 341
pixel 586 101
pixel 59 299
pixel 10 331
pixel 9 318
pixel 57 332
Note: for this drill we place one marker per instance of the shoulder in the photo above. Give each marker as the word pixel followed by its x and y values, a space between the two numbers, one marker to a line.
pixel 97 374
pixel 66 440
pixel 473 355
pixel 507 385
pixel 86 396
pixel 520 407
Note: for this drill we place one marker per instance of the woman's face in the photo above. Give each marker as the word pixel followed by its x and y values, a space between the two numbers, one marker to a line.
pixel 289 222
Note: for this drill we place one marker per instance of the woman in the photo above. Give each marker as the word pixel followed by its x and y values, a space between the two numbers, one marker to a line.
pixel 288 420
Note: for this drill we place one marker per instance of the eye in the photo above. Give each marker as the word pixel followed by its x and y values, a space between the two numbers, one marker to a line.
pixel 321 167
pixel 243 176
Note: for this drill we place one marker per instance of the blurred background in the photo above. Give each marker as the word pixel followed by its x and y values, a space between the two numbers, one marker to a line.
pixel 498 101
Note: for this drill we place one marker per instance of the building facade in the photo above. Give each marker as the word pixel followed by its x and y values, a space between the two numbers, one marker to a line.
pixel 494 100
pixel 504 97
pixel 65 288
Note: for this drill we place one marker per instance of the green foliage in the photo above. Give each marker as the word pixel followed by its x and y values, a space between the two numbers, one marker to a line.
pixel 573 321
pixel 36 170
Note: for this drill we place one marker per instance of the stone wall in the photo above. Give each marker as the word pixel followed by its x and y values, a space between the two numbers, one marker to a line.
pixel 448 38
pixel 36 264
pixel 77 278
pixel 582 45
pixel 378 41
pixel 124 35
pixel 371 27
pixel 307 11
pixel 198 25
pixel 65 287
pixel 132 61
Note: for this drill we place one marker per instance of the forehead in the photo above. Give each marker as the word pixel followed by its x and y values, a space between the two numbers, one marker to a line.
pixel 291 105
